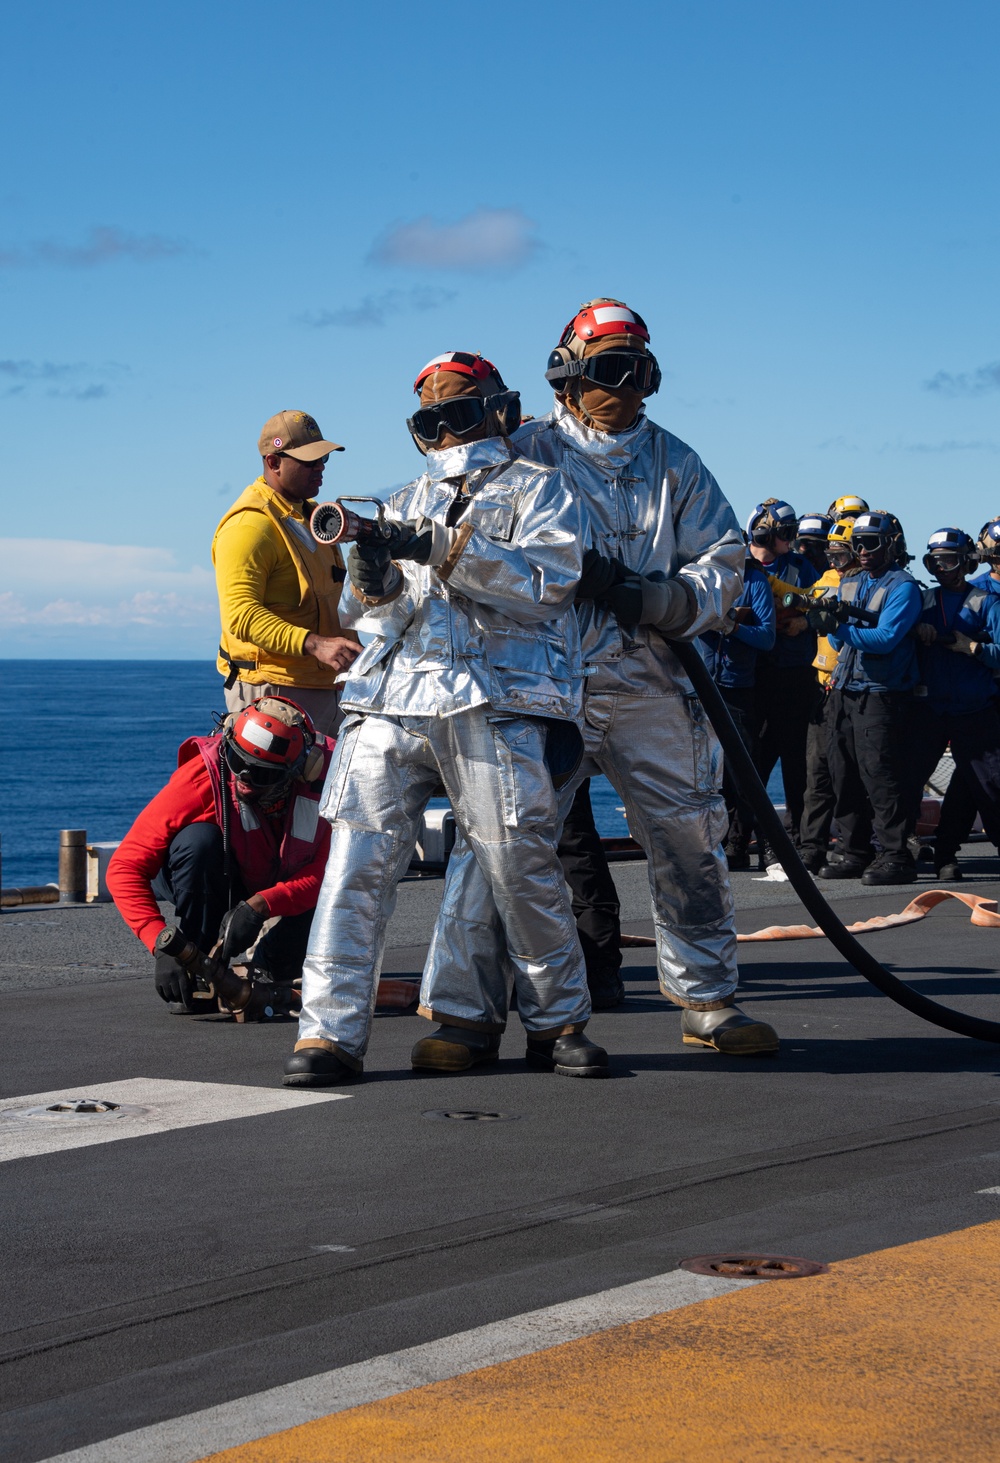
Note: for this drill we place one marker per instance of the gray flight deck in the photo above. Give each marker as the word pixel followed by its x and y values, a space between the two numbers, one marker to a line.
pixel 151 1276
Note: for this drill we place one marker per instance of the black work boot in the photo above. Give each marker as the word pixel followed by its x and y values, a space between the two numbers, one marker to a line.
pixel 737 856
pixel 949 871
pixel 455 1049
pixel 730 1031
pixel 314 1066
pixel 891 868
pixel 813 858
pixel 607 990
pixel 847 866
pixel 573 1055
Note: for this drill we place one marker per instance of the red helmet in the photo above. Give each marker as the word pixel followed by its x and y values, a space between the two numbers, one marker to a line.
pixel 603 317
pixel 267 746
pixel 464 363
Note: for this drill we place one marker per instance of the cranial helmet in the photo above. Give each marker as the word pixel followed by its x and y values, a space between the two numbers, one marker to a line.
pixel 887 527
pixel 950 548
pixel 847 507
pixel 462 414
pixel 988 542
pixel 267 746
pixel 841 533
pixel 595 320
pixel 774 518
pixel 815 525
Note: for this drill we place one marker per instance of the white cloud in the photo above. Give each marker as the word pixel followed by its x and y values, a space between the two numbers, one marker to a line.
pixel 486 239
pixel 64 582
pixel 102 246
pixel 374 310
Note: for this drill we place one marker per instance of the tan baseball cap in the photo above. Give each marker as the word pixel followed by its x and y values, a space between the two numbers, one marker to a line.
pixel 296 434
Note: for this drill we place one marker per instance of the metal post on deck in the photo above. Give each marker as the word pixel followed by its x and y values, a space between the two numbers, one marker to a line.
pixel 73 866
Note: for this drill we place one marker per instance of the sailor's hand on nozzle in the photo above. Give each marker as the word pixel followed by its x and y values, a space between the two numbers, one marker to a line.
pixel 412 541
pixel 599 575
pixel 926 634
pixel 332 650
pixel 373 575
pixel 743 615
pixel 823 621
pixel 962 643
pixel 240 927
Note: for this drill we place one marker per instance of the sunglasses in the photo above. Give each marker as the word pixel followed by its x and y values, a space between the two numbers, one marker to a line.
pixel 461 415
pixel 316 462
pixel 615 369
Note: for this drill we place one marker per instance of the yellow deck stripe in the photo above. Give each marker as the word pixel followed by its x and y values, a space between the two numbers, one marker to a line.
pixel 890 1358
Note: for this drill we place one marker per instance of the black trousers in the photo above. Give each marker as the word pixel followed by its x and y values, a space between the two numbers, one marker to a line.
pixel 870 768
pixel 742 708
pixel 595 899
pixel 975 745
pixel 785 701
pixel 958 814
pixel 194 878
pixel 820 797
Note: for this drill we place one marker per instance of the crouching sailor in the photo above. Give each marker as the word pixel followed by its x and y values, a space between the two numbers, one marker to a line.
pixel 473 680
pixel 233 839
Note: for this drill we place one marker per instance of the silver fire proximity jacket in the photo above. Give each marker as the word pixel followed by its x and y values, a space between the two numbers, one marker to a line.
pixel 493 622
pixel 652 504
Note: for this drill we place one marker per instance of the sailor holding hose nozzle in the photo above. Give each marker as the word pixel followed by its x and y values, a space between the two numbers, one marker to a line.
pixel 472 679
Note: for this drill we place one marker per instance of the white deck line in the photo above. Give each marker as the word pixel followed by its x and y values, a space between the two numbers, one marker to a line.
pixel 167 1106
pixel 190 1438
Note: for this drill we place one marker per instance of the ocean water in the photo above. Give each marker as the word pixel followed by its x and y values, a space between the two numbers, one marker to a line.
pixel 86 744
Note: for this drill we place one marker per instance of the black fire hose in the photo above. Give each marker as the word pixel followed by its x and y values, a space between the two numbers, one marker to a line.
pixel 742 767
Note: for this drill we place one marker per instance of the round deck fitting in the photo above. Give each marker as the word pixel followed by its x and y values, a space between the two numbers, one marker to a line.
pixel 754 1266
pixel 439 1114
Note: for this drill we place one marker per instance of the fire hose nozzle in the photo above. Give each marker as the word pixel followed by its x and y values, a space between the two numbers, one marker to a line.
pixel 333 523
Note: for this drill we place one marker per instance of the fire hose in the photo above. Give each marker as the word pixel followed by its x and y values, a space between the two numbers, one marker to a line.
pixel 745 773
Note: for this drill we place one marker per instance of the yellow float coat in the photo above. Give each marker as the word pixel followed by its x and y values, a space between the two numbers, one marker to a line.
pixel 276 586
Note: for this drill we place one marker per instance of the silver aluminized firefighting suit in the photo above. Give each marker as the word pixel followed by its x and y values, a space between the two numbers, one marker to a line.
pixel 652 504
pixel 471 664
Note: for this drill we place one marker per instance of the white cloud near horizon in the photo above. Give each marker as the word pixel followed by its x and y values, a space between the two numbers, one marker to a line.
pixel 485 240
pixel 67 583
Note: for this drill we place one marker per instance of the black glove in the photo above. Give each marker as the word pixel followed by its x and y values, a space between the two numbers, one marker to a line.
pixel 823 621
pixel 408 542
pixel 173 984
pixel 599 575
pixel 370 570
pixel 624 600
pixel 239 928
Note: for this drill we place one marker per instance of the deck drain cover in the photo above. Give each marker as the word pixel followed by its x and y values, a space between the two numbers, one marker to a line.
pixel 438 1114
pixel 754 1266
pixel 75 1109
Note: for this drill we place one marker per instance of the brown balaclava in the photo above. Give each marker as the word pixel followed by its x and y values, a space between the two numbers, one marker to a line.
pixel 606 408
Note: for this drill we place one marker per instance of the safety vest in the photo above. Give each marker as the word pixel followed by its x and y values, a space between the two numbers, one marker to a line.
pixel 320 570
pixel 262 857
pixel 826 656
pixel 898 664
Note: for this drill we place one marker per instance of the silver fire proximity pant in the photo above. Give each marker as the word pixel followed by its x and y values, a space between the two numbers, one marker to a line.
pixel 663 759
pixel 385 770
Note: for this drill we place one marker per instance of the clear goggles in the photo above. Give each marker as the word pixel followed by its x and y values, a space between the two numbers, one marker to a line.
pixel 461 415
pixel 945 561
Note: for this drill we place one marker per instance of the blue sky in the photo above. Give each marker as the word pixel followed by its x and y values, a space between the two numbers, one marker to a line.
pixel 211 212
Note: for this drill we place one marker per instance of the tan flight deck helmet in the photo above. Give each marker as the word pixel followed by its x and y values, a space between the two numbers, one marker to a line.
pixel 607 344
